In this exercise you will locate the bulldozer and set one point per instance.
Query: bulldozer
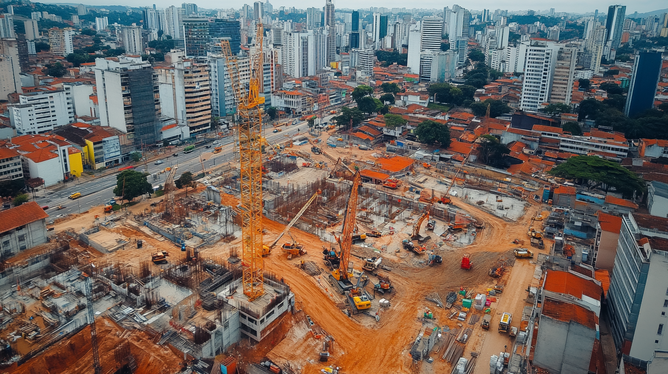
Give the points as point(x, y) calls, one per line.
point(497, 272)
point(159, 257)
point(372, 264)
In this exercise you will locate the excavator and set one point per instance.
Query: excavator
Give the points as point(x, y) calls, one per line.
point(266, 249)
point(445, 199)
point(357, 298)
point(159, 257)
point(408, 243)
point(384, 285)
point(341, 276)
point(293, 249)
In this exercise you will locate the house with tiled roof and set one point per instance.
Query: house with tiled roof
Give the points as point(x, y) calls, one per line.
point(100, 146)
point(407, 98)
point(21, 228)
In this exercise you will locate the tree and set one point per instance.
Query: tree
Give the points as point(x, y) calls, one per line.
point(492, 152)
point(495, 74)
point(55, 70)
point(388, 97)
point(42, 47)
point(476, 55)
point(392, 121)
point(496, 108)
point(593, 172)
point(389, 58)
point(589, 108)
point(664, 107)
point(135, 156)
point(431, 132)
point(20, 199)
point(185, 180)
point(131, 183)
point(361, 91)
point(347, 115)
point(89, 32)
point(445, 46)
point(478, 80)
point(573, 128)
point(368, 104)
point(585, 84)
point(558, 108)
point(611, 88)
point(390, 88)
point(272, 112)
point(311, 122)
point(11, 187)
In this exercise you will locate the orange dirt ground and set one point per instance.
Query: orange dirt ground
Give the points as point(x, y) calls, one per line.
point(361, 344)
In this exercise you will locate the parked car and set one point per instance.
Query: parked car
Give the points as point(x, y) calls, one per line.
point(159, 162)
point(176, 154)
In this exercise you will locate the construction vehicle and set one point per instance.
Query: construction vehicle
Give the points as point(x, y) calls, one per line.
point(434, 259)
point(426, 165)
point(293, 249)
point(331, 258)
point(249, 129)
point(108, 208)
point(384, 285)
point(416, 227)
point(497, 272)
point(390, 183)
point(457, 227)
point(410, 246)
point(535, 234)
point(486, 320)
point(217, 150)
point(504, 323)
point(522, 253)
point(466, 262)
point(357, 298)
point(431, 224)
point(513, 332)
point(340, 277)
point(374, 234)
point(445, 199)
point(537, 243)
point(359, 238)
point(159, 257)
point(372, 264)
point(266, 249)
point(316, 150)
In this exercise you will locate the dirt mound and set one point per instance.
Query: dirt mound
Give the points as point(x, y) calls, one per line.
point(311, 268)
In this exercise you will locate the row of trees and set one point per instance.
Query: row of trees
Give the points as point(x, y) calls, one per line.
point(131, 184)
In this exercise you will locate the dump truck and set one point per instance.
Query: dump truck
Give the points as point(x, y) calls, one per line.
point(537, 243)
point(159, 257)
point(504, 323)
point(486, 320)
point(535, 234)
point(359, 238)
point(293, 250)
point(384, 285)
point(522, 253)
point(372, 264)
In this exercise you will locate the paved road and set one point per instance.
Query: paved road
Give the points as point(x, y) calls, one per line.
point(100, 190)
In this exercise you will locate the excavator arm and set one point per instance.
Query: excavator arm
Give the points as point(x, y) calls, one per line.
point(296, 218)
point(418, 224)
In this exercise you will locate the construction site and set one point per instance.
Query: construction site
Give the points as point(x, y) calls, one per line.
point(291, 259)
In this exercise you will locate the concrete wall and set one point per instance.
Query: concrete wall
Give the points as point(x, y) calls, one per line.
point(49, 170)
point(224, 335)
point(563, 347)
point(37, 265)
point(658, 205)
point(653, 311)
point(607, 249)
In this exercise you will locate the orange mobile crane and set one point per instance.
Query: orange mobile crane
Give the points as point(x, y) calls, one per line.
point(249, 126)
point(341, 277)
point(445, 199)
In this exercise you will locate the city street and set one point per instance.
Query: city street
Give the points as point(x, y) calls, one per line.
point(100, 190)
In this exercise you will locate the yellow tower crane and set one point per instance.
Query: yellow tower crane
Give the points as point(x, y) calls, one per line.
point(249, 125)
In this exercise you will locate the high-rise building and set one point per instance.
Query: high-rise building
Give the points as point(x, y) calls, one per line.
point(185, 94)
point(431, 32)
point(364, 60)
point(414, 48)
point(564, 71)
point(222, 94)
point(189, 9)
point(227, 29)
point(485, 15)
point(615, 25)
point(151, 19)
point(458, 21)
point(553, 33)
point(101, 23)
point(7, 26)
point(268, 8)
point(82, 10)
point(258, 11)
point(313, 17)
point(354, 41)
point(132, 41)
point(664, 28)
point(330, 23)
point(24, 52)
point(173, 22)
point(32, 29)
point(594, 45)
point(40, 112)
point(10, 69)
point(129, 98)
point(379, 29)
point(60, 41)
point(196, 36)
point(539, 62)
point(645, 79)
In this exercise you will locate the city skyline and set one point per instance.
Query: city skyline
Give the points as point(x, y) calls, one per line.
point(561, 6)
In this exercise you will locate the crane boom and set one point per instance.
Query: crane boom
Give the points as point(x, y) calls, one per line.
point(296, 218)
point(249, 131)
point(456, 174)
point(418, 223)
point(346, 238)
point(91, 321)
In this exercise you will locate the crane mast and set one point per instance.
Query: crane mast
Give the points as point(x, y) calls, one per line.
point(346, 238)
point(249, 126)
point(91, 320)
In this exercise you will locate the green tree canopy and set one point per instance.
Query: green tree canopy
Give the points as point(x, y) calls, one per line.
point(185, 181)
point(42, 47)
point(369, 104)
point(492, 152)
point(390, 87)
point(347, 115)
point(388, 97)
point(55, 70)
point(496, 108)
point(272, 112)
point(388, 58)
point(135, 156)
point(555, 109)
point(595, 172)
point(311, 121)
point(573, 128)
point(611, 88)
point(476, 55)
point(361, 91)
point(432, 132)
point(585, 84)
point(20, 199)
point(392, 121)
point(89, 32)
point(135, 184)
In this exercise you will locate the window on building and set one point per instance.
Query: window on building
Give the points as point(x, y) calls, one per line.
point(22, 238)
point(665, 303)
point(660, 330)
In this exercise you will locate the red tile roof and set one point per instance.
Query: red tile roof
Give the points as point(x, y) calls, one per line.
point(41, 155)
point(603, 276)
point(620, 202)
point(544, 128)
point(363, 136)
point(609, 222)
point(395, 164)
point(568, 312)
point(571, 284)
point(7, 153)
point(20, 216)
point(565, 190)
point(460, 147)
point(370, 130)
point(374, 174)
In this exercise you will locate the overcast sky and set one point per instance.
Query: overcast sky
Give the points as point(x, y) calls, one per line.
point(575, 6)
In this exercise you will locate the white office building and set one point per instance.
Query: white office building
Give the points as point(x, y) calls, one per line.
point(132, 40)
point(10, 77)
point(32, 30)
point(40, 112)
point(540, 59)
point(101, 23)
point(7, 26)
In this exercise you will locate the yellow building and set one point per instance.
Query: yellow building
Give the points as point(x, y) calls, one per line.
point(75, 161)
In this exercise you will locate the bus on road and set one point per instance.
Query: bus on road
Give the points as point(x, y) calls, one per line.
point(189, 149)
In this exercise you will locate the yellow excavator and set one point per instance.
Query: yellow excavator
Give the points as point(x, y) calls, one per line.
point(408, 243)
point(266, 249)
